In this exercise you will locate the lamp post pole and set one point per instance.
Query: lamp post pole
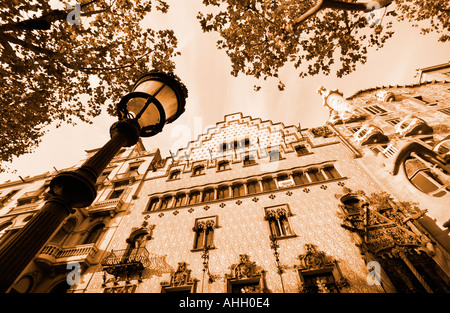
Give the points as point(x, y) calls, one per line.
point(74, 189)
point(156, 99)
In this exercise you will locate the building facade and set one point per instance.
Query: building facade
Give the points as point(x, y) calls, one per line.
point(359, 204)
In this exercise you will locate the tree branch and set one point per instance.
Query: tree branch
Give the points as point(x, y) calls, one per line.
point(45, 21)
point(29, 45)
point(339, 5)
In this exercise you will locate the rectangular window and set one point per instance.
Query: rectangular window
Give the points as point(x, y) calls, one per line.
point(314, 282)
point(25, 201)
point(420, 100)
point(117, 193)
point(223, 147)
point(103, 176)
point(249, 160)
point(274, 156)
point(134, 168)
point(301, 150)
point(8, 196)
point(375, 110)
point(393, 121)
point(354, 129)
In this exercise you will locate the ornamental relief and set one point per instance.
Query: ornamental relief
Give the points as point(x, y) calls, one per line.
point(244, 269)
point(314, 259)
point(382, 226)
point(204, 225)
point(181, 277)
point(277, 213)
point(314, 262)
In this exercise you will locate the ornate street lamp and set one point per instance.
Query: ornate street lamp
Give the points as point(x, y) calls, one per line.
point(156, 99)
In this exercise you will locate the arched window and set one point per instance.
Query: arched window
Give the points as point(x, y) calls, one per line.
point(331, 172)
point(300, 178)
point(180, 200)
point(223, 192)
point(165, 202)
point(153, 205)
point(94, 234)
point(199, 170)
point(424, 177)
point(238, 190)
point(315, 175)
point(24, 285)
point(194, 197)
point(64, 231)
point(208, 195)
point(278, 222)
point(269, 184)
point(223, 165)
point(253, 187)
point(204, 233)
point(175, 175)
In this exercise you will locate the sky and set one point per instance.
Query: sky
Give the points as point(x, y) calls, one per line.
point(213, 92)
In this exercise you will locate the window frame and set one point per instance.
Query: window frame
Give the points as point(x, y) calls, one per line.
point(121, 190)
point(199, 170)
point(175, 175)
point(221, 168)
point(204, 236)
point(249, 160)
point(376, 109)
point(277, 218)
point(304, 150)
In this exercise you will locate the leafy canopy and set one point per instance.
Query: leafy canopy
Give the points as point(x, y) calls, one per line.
point(261, 36)
point(54, 71)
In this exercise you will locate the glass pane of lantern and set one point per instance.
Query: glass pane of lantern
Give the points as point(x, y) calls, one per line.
point(163, 93)
point(149, 86)
point(151, 115)
point(168, 99)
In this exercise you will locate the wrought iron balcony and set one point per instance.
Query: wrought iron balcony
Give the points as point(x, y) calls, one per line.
point(125, 263)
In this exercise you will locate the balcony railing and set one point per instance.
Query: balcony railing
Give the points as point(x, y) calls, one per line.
point(105, 207)
point(53, 254)
point(130, 175)
point(126, 262)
